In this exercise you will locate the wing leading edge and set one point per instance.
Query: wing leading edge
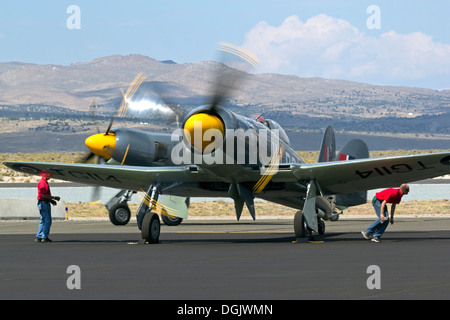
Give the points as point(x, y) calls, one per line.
point(127, 177)
point(121, 177)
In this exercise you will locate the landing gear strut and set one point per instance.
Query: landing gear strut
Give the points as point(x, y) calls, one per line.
point(148, 221)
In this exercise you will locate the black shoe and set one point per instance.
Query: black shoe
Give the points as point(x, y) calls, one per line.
point(37, 240)
point(46, 240)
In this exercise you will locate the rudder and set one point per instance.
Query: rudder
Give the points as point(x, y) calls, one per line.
point(327, 150)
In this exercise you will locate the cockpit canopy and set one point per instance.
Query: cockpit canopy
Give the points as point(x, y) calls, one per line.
point(271, 124)
point(282, 134)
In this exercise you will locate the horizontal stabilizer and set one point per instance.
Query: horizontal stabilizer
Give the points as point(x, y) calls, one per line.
point(354, 149)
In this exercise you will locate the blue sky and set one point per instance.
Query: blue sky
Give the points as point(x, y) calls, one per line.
point(328, 39)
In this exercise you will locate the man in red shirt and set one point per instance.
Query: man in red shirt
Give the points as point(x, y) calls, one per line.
point(45, 198)
point(391, 195)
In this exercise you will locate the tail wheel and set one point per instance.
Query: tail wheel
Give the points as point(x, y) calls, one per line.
point(151, 227)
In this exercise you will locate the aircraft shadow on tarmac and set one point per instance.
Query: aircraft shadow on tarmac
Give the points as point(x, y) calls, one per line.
point(241, 223)
point(251, 238)
point(179, 238)
point(94, 241)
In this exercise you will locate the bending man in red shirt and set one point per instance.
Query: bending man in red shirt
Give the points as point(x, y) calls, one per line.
point(391, 195)
point(45, 198)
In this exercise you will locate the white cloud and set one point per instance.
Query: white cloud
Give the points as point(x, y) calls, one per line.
point(324, 46)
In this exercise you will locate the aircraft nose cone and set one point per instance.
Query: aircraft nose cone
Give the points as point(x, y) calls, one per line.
point(102, 144)
point(197, 125)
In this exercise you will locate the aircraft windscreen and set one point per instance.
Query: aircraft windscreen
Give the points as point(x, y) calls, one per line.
point(282, 134)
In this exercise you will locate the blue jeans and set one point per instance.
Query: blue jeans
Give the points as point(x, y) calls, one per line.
point(46, 219)
point(377, 228)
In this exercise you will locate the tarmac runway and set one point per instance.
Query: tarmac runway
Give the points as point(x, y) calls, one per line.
point(225, 259)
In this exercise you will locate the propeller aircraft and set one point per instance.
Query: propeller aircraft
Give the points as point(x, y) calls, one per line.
point(216, 152)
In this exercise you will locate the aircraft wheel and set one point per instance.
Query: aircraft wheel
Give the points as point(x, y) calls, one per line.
point(171, 221)
point(321, 226)
point(119, 214)
point(151, 227)
point(301, 227)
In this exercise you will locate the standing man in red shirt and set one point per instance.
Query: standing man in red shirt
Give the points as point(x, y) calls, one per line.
point(45, 198)
point(391, 195)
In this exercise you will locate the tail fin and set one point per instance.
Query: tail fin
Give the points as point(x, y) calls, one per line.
point(354, 149)
point(327, 151)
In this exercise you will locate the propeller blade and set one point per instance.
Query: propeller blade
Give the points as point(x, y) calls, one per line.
point(126, 98)
point(96, 193)
point(95, 196)
point(110, 125)
point(86, 158)
point(227, 78)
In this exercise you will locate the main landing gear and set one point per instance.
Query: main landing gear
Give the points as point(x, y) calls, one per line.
point(151, 228)
point(301, 229)
point(148, 220)
point(120, 213)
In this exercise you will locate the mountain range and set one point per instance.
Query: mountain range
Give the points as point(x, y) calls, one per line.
point(74, 86)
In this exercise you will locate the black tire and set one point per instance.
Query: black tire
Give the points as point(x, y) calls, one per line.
point(300, 227)
point(170, 220)
point(119, 214)
point(151, 228)
point(321, 226)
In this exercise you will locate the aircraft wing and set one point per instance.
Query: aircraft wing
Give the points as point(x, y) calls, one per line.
point(334, 177)
point(112, 176)
point(339, 177)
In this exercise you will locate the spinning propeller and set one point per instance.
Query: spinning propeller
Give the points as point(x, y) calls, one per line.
point(103, 144)
point(141, 101)
point(227, 79)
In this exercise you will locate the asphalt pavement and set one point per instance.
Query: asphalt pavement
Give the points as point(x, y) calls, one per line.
point(225, 259)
